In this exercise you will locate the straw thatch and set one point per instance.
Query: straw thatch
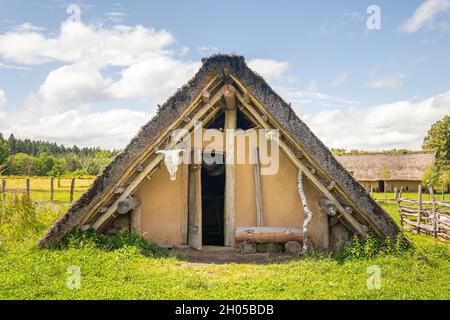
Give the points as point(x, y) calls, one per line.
point(168, 112)
point(401, 167)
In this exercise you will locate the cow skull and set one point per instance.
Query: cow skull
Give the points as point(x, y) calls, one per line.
point(172, 160)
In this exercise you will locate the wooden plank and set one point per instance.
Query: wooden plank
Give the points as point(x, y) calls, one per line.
point(352, 221)
point(155, 161)
point(230, 176)
point(258, 196)
point(195, 207)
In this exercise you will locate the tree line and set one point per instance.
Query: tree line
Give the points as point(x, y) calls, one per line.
point(27, 157)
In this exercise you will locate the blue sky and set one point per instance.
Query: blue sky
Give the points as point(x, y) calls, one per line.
point(89, 83)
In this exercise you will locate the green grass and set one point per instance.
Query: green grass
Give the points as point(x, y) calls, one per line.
point(128, 268)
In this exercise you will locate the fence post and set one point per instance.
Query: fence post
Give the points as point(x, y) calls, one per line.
point(433, 209)
point(398, 199)
point(371, 191)
point(52, 188)
point(72, 187)
point(4, 189)
point(419, 207)
point(28, 189)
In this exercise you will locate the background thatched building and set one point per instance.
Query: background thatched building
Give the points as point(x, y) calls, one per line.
point(397, 170)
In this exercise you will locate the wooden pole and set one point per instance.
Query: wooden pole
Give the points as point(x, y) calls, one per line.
point(230, 177)
point(4, 189)
point(433, 208)
point(419, 207)
point(28, 189)
point(52, 188)
point(398, 198)
point(371, 191)
point(230, 174)
point(72, 188)
point(257, 178)
point(307, 211)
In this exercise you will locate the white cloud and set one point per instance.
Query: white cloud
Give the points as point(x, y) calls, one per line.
point(109, 129)
point(207, 50)
point(73, 84)
point(150, 69)
point(156, 77)
point(268, 68)
point(2, 98)
point(424, 15)
point(401, 124)
point(99, 64)
point(339, 80)
point(311, 95)
point(394, 81)
point(116, 46)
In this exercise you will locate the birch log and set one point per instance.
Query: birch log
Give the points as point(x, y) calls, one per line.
point(308, 213)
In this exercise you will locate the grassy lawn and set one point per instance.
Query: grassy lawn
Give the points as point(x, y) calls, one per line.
point(129, 269)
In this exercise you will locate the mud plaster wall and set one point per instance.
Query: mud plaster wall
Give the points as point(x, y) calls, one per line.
point(164, 207)
point(164, 203)
point(280, 199)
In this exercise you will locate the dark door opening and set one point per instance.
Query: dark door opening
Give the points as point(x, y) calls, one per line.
point(380, 186)
point(213, 189)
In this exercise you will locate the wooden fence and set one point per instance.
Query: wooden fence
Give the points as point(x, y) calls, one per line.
point(27, 191)
point(425, 217)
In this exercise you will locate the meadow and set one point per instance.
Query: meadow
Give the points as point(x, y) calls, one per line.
point(126, 267)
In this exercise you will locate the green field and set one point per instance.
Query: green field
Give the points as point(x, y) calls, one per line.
point(127, 268)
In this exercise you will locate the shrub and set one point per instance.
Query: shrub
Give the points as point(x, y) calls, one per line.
point(372, 247)
point(91, 239)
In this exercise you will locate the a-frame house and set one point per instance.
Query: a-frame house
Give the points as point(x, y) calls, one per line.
point(310, 199)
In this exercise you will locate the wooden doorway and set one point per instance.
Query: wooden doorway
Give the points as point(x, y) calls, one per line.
point(213, 195)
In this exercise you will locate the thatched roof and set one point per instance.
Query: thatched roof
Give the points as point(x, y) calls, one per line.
point(370, 167)
point(169, 111)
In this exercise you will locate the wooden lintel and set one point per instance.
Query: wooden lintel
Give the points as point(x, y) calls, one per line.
point(352, 221)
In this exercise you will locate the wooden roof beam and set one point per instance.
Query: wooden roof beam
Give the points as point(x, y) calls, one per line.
point(150, 166)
